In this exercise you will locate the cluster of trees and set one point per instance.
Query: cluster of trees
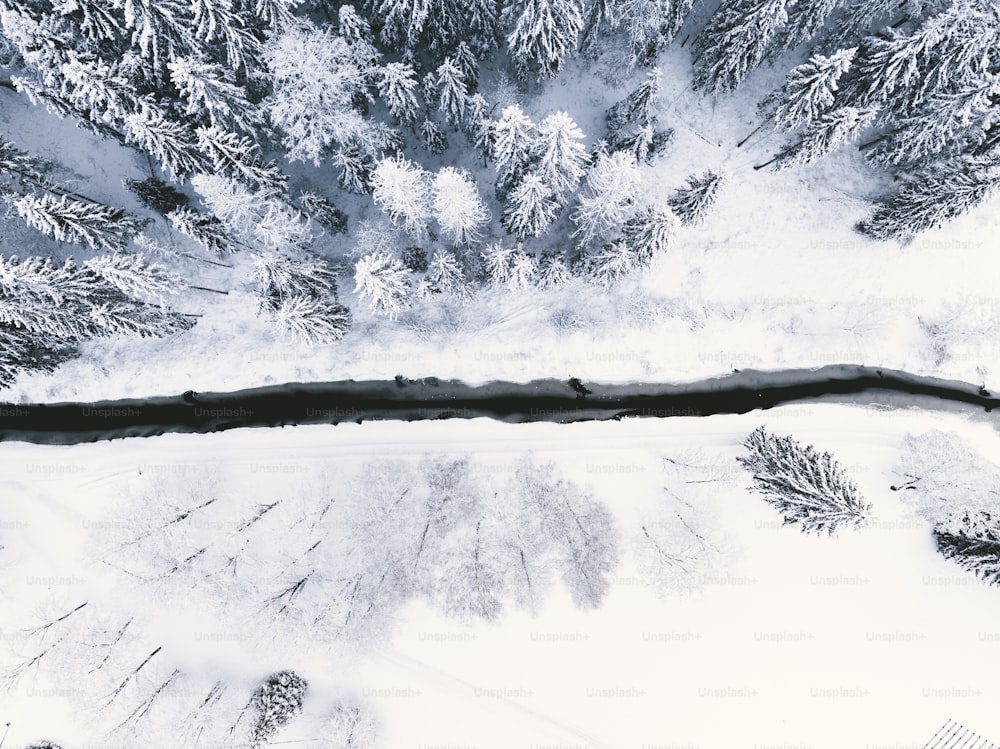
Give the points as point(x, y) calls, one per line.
point(952, 486)
point(351, 556)
point(142, 694)
point(919, 80)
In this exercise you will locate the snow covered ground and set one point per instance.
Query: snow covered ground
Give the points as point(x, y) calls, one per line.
point(869, 639)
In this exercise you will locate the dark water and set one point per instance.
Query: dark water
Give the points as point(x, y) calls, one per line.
point(561, 401)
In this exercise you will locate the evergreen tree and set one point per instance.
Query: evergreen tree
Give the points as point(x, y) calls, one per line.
point(280, 278)
point(735, 41)
point(208, 231)
point(205, 88)
point(467, 62)
point(157, 194)
point(805, 19)
point(972, 540)
point(830, 131)
point(511, 267)
point(355, 169)
point(398, 89)
point(612, 189)
point(239, 157)
point(433, 138)
point(483, 25)
point(809, 90)
point(274, 704)
point(531, 207)
point(458, 207)
point(649, 233)
point(544, 34)
point(615, 261)
point(937, 193)
point(603, 17)
point(453, 94)
point(135, 277)
point(324, 211)
point(651, 25)
point(161, 29)
point(560, 154)
point(66, 220)
point(809, 488)
point(171, 143)
point(403, 22)
point(691, 203)
point(514, 138)
point(383, 281)
point(218, 25)
point(445, 276)
point(353, 27)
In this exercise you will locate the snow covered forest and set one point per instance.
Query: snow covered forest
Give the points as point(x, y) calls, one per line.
point(343, 171)
point(211, 195)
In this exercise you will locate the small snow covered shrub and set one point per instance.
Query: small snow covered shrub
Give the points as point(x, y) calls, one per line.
point(691, 203)
point(808, 488)
point(275, 703)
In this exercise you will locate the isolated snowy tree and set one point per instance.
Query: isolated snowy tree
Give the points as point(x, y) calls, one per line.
point(383, 281)
point(635, 110)
point(458, 207)
point(936, 194)
point(691, 203)
point(169, 142)
point(649, 233)
point(613, 185)
point(809, 90)
point(513, 147)
point(65, 219)
point(315, 85)
point(544, 34)
point(808, 488)
point(531, 207)
point(650, 25)
point(735, 41)
point(274, 704)
point(972, 540)
point(398, 88)
point(403, 190)
point(561, 156)
point(453, 93)
point(324, 211)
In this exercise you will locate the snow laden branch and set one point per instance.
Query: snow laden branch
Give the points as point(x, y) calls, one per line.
point(807, 487)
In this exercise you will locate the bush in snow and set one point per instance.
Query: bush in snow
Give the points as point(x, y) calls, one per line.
point(415, 259)
point(348, 725)
point(809, 488)
point(274, 704)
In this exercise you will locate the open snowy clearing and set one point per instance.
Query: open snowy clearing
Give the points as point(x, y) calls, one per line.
point(870, 635)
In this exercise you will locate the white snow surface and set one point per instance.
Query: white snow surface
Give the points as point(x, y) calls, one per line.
point(869, 639)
